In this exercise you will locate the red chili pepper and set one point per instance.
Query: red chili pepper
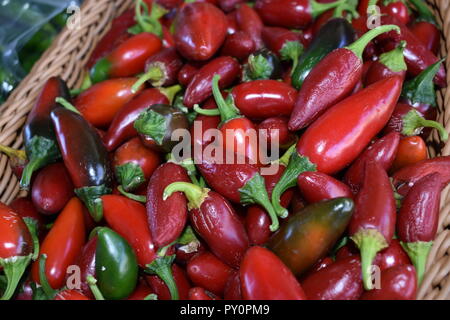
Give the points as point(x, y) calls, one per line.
point(297, 14)
point(321, 264)
point(200, 29)
point(100, 103)
point(276, 129)
point(389, 64)
point(202, 124)
point(161, 290)
point(264, 277)
point(62, 245)
point(233, 287)
point(392, 256)
point(417, 56)
point(397, 283)
point(128, 59)
point(215, 220)
point(116, 35)
point(86, 263)
point(408, 176)
point(232, 23)
point(141, 292)
point(411, 150)
point(249, 21)
point(238, 45)
point(198, 293)
point(373, 223)
point(134, 164)
point(70, 295)
point(428, 34)
point(200, 87)
point(331, 80)
point(276, 38)
point(24, 208)
point(208, 272)
point(418, 220)
point(382, 151)
point(229, 5)
point(187, 73)
point(339, 281)
point(316, 186)
point(397, 9)
point(52, 189)
point(166, 219)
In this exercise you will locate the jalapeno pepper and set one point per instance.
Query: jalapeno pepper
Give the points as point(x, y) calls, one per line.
point(39, 136)
point(85, 158)
point(311, 233)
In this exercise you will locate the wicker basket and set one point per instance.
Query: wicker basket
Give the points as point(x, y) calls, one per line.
point(70, 52)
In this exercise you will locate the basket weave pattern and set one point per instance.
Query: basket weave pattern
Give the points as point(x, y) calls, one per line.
point(70, 52)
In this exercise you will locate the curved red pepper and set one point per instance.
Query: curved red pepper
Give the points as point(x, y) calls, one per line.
point(276, 38)
point(187, 73)
point(200, 29)
point(249, 21)
point(215, 220)
point(198, 293)
point(100, 103)
point(70, 295)
point(397, 283)
point(200, 87)
point(339, 281)
point(382, 151)
point(373, 223)
point(411, 150)
point(62, 245)
point(166, 219)
point(128, 59)
point(52, 189)
point(316, 186)
point(418, 220)
point(208, 272)
point(161, 290)
point(264, 277)
point(238, 45)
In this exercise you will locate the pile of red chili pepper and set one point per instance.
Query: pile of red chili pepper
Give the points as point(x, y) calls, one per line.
point(350, 212)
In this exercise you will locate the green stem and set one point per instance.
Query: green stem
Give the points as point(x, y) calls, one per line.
point(32, 225)
point(227, 109)
point(155, 74)
point(206, 112)
point(418, 253)
point(66, 104)
point(413, 121)
point(33, 165)
point(13, 153)
point(92, 282)
point(359, 45)
point(149, 22)
point(394, 60)
point(195, 194)
point(369, 242)
point(171, 92)
point(151, 296)
point(48, 290)
point(162, 267)
point(14, 268)
point(318, 8)
point(142, 199)
point(284, 160)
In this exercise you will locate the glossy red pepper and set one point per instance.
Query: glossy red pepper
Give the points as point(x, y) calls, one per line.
point(232, 23)
point(70, 295)
point(141, 292)
point(134, 164)
point(410, 151)
point(339, 281)
point(331, 80)
point(316, 186)
point(392, 256)
point(100, 103)
point(276, 129)
point(290, 14)
point(166, 219)
point(276, 38)
point(198, 293)
point(85, 158)
point(187, 73)
point(249, 21)
point(418, 220)
point(238, 45)
point(52, 189)
point(397, 283)
point(397, 9)
point(16, 250)
point(233, 287)
point(160, 288)
point(24, 207)
point(372, 226)
point(382, 151)
point(62, 245)
point(208, 272)
point(425, 26)
point(202, 124)
point(128, 59)
point(215, 220)
point(321, 264)
point(200, 87)
point(200, 29)
point(86, 263)
point(417, 56)
point(264, 277)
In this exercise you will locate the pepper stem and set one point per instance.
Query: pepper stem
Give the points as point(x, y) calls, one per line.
point(318, 8)
point(32, 225)
point(92, 283)
point(13, 153)
point(149, 22)
point(414, 122)
point(66, 104)
point(369, 242)
point(418, 253)
point(171, 92)
point(155, 75)
point(34, 164)
point(195, 194)
point(13, 267)
point(46, 287)
point(162, 267)
point(394, 60)
point(142, 199)
point(206, 112)
point(359, 45)
point(227, 109)
point(91, 198)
